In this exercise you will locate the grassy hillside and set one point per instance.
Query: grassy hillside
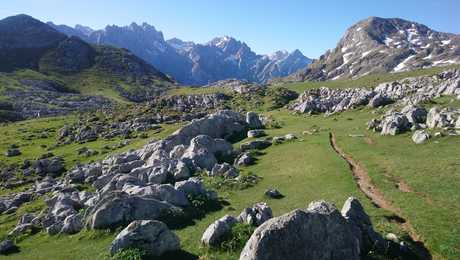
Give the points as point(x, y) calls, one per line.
point(318, 173)
point(303, 170)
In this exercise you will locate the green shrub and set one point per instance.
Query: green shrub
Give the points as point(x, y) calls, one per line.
point(129, 254)
point(236, 240)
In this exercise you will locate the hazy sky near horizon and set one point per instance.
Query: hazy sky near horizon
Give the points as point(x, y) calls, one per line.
point(265, 25)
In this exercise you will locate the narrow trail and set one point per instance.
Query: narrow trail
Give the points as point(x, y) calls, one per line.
point(377, 198)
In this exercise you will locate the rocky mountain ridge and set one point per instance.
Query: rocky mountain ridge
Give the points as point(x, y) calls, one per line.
point(44, 72)
point(379, 45)
point(192, 63)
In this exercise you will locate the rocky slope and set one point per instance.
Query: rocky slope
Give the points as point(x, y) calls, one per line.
point(191, 63)
point(408, 91)
point(377, 45)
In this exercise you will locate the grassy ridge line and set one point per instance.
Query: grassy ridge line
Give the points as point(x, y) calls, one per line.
point(367, 81)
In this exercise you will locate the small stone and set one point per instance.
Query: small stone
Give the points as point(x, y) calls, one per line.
point(7, 247)
point(256, 133)
point(420, 136)
point(273, 193)
point(12, 152)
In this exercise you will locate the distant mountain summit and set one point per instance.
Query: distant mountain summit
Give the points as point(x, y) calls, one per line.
point(27, 43)
point(24, 40)
point(377, 45)
point(191, 63)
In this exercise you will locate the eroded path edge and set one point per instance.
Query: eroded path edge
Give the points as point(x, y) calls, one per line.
point(364, 183)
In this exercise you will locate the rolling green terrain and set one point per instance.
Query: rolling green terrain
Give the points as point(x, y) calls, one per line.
point(303, 170)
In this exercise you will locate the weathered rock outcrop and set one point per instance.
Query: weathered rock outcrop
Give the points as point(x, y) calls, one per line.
point(152, 237)
point(406, 91)
point(318, 232)
point(118, 209)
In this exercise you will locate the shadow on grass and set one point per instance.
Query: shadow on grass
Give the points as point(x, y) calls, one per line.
point(197, 210)
point(176, 255)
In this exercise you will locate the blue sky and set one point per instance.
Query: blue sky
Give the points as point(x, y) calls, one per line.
point(265, 25)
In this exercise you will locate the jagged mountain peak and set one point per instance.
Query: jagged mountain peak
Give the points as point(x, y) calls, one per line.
point(198, 64)
point(278, 55)
point(222, 41)
point(86, 30)
point(378, 45)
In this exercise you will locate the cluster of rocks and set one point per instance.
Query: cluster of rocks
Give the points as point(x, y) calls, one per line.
point(11, 203)
point(320, 232)
point(190, 103)
point(415, 118)
point(155, 182)
point(19, 174)
point(94, 128)
point(221, 229)
point(407, 91)
point(38, 98)
point(237, 86)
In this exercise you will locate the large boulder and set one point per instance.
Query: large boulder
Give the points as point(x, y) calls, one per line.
point(72, 224)
point(436, 118)
point(118, 209)
point(203, 150)
point(163, 192)
point(217, 231)
point(379, 100)
point(394, 124)
point(152, 237)
point(193, 186)
point(354, 213)
point(320, 232)
point(415, 114)
point(223, 124)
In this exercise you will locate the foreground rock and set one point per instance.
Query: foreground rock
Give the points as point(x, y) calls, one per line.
point(319, 232)
point(152, 237)
point(217, 231)
point(221, 229)
point(118, 209)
